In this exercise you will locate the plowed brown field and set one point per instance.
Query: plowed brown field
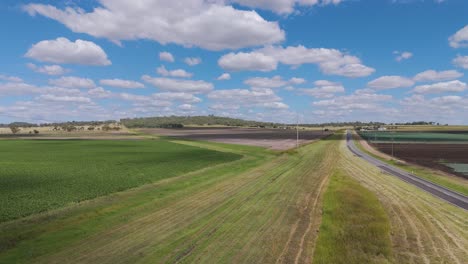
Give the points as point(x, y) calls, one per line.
point(270, 138)
point(428, 155)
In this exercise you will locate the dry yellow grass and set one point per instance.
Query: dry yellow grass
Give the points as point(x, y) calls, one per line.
point(424, 229)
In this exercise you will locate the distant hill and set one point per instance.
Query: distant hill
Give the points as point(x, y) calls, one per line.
point(211, 120)
point(181, 121)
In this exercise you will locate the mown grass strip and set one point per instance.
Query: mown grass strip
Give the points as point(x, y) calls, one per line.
point(355, 227)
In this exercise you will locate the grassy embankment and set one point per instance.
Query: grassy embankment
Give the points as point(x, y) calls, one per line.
point(451, 182)
point(424, 229)
point(261, 208)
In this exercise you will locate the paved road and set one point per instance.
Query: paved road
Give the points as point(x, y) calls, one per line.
point(434, 189)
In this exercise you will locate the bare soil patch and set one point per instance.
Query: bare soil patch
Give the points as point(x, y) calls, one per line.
point(279, 139)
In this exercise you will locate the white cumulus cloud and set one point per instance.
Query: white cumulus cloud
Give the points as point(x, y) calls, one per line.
point(330, 61)
point(174, 73)
point(283, 6)
point(64, 51)
point(441, 87)
point(73, 82)
point(166, 56)
point(17, 88)
point(192, 61)
point(390, 82)
point(48, 69)
point(461, 61)
point(273, 82)
point(323, 89)
point(66, 99)
point(244, 96)
point(10, 78)
point(274, 105)
point(400, 56)
point(359, 100)
point(119, 83)
point(186, 107)
point(211, 25)
point(253, 61)
point(460, 38)
point(435, 76)
point(224, 77)
point(177, 85)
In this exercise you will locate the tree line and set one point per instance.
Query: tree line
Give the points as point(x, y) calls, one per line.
point(209, 120)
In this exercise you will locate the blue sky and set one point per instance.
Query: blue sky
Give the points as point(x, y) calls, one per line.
point(324, 60)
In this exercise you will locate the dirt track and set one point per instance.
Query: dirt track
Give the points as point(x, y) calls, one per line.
point(279, 139)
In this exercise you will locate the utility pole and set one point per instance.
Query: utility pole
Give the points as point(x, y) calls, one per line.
point(297, 132)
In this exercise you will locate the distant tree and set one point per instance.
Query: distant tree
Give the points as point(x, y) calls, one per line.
point(69, 128)
point(36, 131)
point(91, 128)
point(15, 129)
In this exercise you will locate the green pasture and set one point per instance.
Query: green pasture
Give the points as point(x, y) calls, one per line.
point(39, 175)
point(459, 167)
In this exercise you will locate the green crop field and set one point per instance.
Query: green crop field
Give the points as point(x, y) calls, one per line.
point(459, 167)
point(387, 136)
point(38, 175)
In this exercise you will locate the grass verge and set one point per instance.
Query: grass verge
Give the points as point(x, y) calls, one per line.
point(355, 227)
point(424, 229)
point(450, 182)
